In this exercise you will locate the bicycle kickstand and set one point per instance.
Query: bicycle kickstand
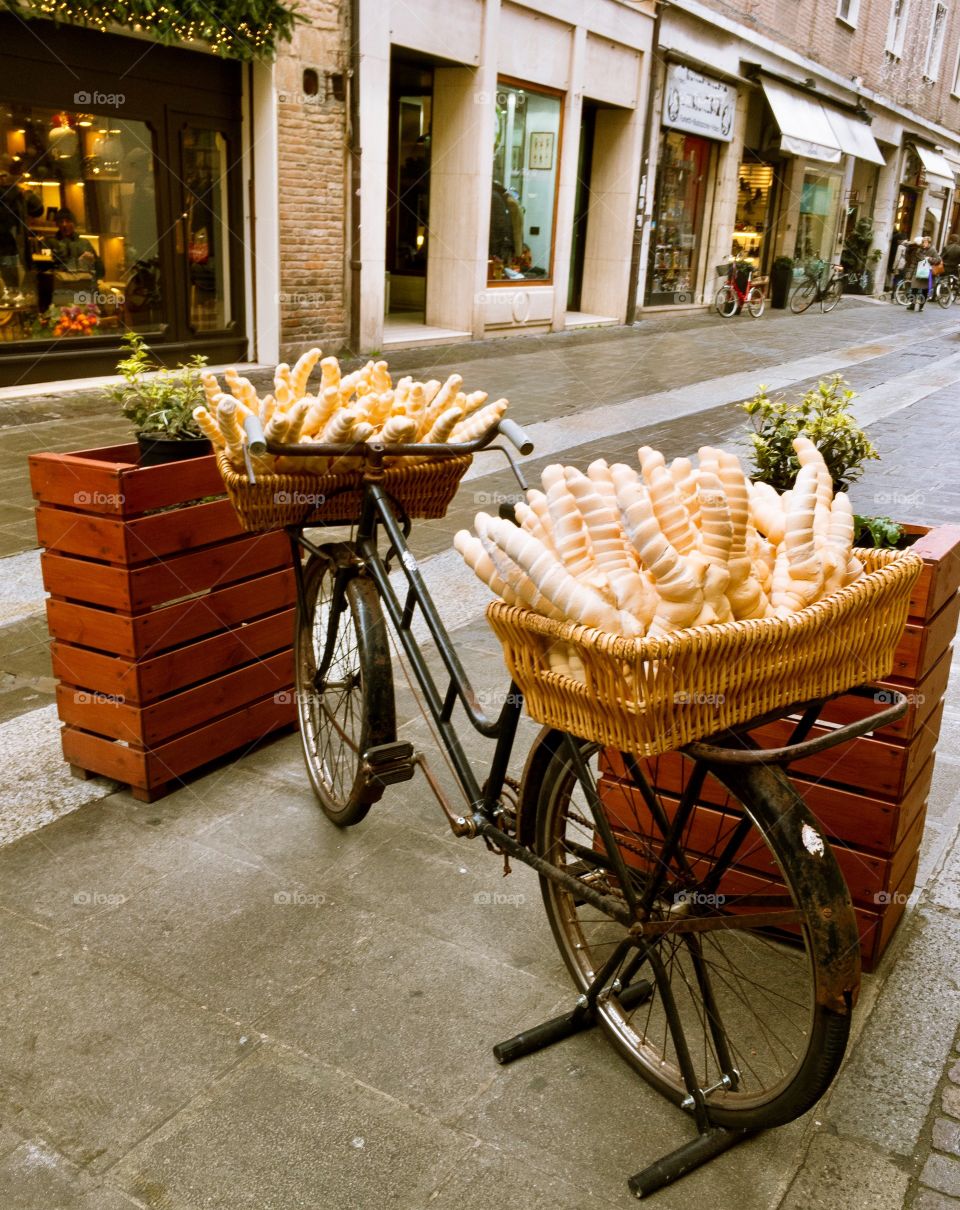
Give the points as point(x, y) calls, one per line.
point(582, 1016)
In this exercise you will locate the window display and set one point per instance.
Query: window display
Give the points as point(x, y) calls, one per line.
point(675, 235)
point(78, 224)
point(753, 212)
point(819, 212)
point(526, 156)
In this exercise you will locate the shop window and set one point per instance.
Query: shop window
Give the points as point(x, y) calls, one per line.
point(819, 209)
point(78, 225)
point(848, 11)
point(526, 160)
point(681, 189)
point(938, 27)
point(897, 27)
point(753, 212)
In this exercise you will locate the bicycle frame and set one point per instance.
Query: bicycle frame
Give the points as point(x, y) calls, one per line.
point(727, 757)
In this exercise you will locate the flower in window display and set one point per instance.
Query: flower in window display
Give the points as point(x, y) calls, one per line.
point(76, 321)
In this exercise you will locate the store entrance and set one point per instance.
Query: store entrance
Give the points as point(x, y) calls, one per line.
point(581, 206)
point(408, 188)
point(754, 210)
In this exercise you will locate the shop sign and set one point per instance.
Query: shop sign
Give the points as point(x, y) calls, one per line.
point(698, 104)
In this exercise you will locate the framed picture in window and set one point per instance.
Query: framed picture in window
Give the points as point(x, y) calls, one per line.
point(541, 149)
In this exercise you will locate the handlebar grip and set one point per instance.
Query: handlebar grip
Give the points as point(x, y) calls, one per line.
point(255, 437)
point(516, 435)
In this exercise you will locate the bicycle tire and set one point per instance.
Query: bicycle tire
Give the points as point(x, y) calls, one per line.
point(744, 972)
point(354, 709)
point(802, 297)
point(831, 295)
point(756, 302)
point(943, 293)
point(902, 293)
point(725, 302)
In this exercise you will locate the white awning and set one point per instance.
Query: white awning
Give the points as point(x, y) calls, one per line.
point(804, 128)
point(854, 136)
point(936, 166)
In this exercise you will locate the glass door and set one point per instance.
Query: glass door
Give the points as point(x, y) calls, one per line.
point(208, 265)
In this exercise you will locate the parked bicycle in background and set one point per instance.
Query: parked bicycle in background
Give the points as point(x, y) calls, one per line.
point(813, 287)
point(740, 289)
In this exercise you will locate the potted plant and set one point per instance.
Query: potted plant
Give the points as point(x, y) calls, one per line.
point(872, 802)
point(823, 415)
point(160, 402)
point(858, 258)
point(781, 278)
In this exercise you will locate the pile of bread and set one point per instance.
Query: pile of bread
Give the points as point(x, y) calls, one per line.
point(364, 405)
point(651, 552)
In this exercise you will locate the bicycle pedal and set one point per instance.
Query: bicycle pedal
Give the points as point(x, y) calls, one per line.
point(387, 764)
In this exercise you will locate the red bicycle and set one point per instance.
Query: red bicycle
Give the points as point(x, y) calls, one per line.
point(740, 290)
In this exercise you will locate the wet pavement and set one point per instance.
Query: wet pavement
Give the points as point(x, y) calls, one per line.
point(219, 1000)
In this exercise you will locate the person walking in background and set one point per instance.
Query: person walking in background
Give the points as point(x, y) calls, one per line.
point(918, 263)
point(951, 255)
point(898, 248)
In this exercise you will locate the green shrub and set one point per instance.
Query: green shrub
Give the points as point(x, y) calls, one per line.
point(155, 399)
point(822, 415)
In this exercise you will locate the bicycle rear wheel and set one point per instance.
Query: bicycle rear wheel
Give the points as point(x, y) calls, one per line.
point(755, 302)
point(726, 302)
point(802, 297)
point(943, 293)
point(902, 293)
point(345, 700)
point(734, 933)
point(832, 294)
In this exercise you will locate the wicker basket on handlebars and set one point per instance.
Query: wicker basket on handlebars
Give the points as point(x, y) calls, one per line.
point(422, 489)
point(650, 695)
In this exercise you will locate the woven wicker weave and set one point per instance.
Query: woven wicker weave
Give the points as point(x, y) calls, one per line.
point(424, 489)
point(649, 695)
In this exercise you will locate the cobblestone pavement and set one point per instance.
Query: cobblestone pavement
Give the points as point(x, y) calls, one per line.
point(220, 1001)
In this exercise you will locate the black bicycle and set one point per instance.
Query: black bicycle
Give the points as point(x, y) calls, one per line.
point(707, 937)
point(817, 287)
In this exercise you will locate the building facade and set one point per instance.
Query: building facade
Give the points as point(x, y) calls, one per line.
point(778, 126)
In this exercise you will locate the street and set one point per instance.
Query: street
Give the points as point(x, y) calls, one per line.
point(218, 1000)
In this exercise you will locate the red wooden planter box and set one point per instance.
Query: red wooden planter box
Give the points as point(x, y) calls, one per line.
point(172, 628)
point(869, 795)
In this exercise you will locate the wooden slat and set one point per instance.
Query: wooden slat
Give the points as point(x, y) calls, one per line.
point(131, 542)
point(922, 645)
point(142, 681)
point(154, 771)
point(146, 634)
point(152, 725)
point(114, 485)
point(165, 581)
point(940, 578)
point(923, 697)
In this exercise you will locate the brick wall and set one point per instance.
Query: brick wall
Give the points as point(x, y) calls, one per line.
point(811, 28)
point(311, 174)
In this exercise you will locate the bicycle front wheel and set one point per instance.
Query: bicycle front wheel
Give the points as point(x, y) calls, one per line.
point(902, 293)
point(802, 297)
point(345, 701)
point(726, 302)
point(755, 302)
point(943, 293)
point(733, 950)
point(832, 294)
